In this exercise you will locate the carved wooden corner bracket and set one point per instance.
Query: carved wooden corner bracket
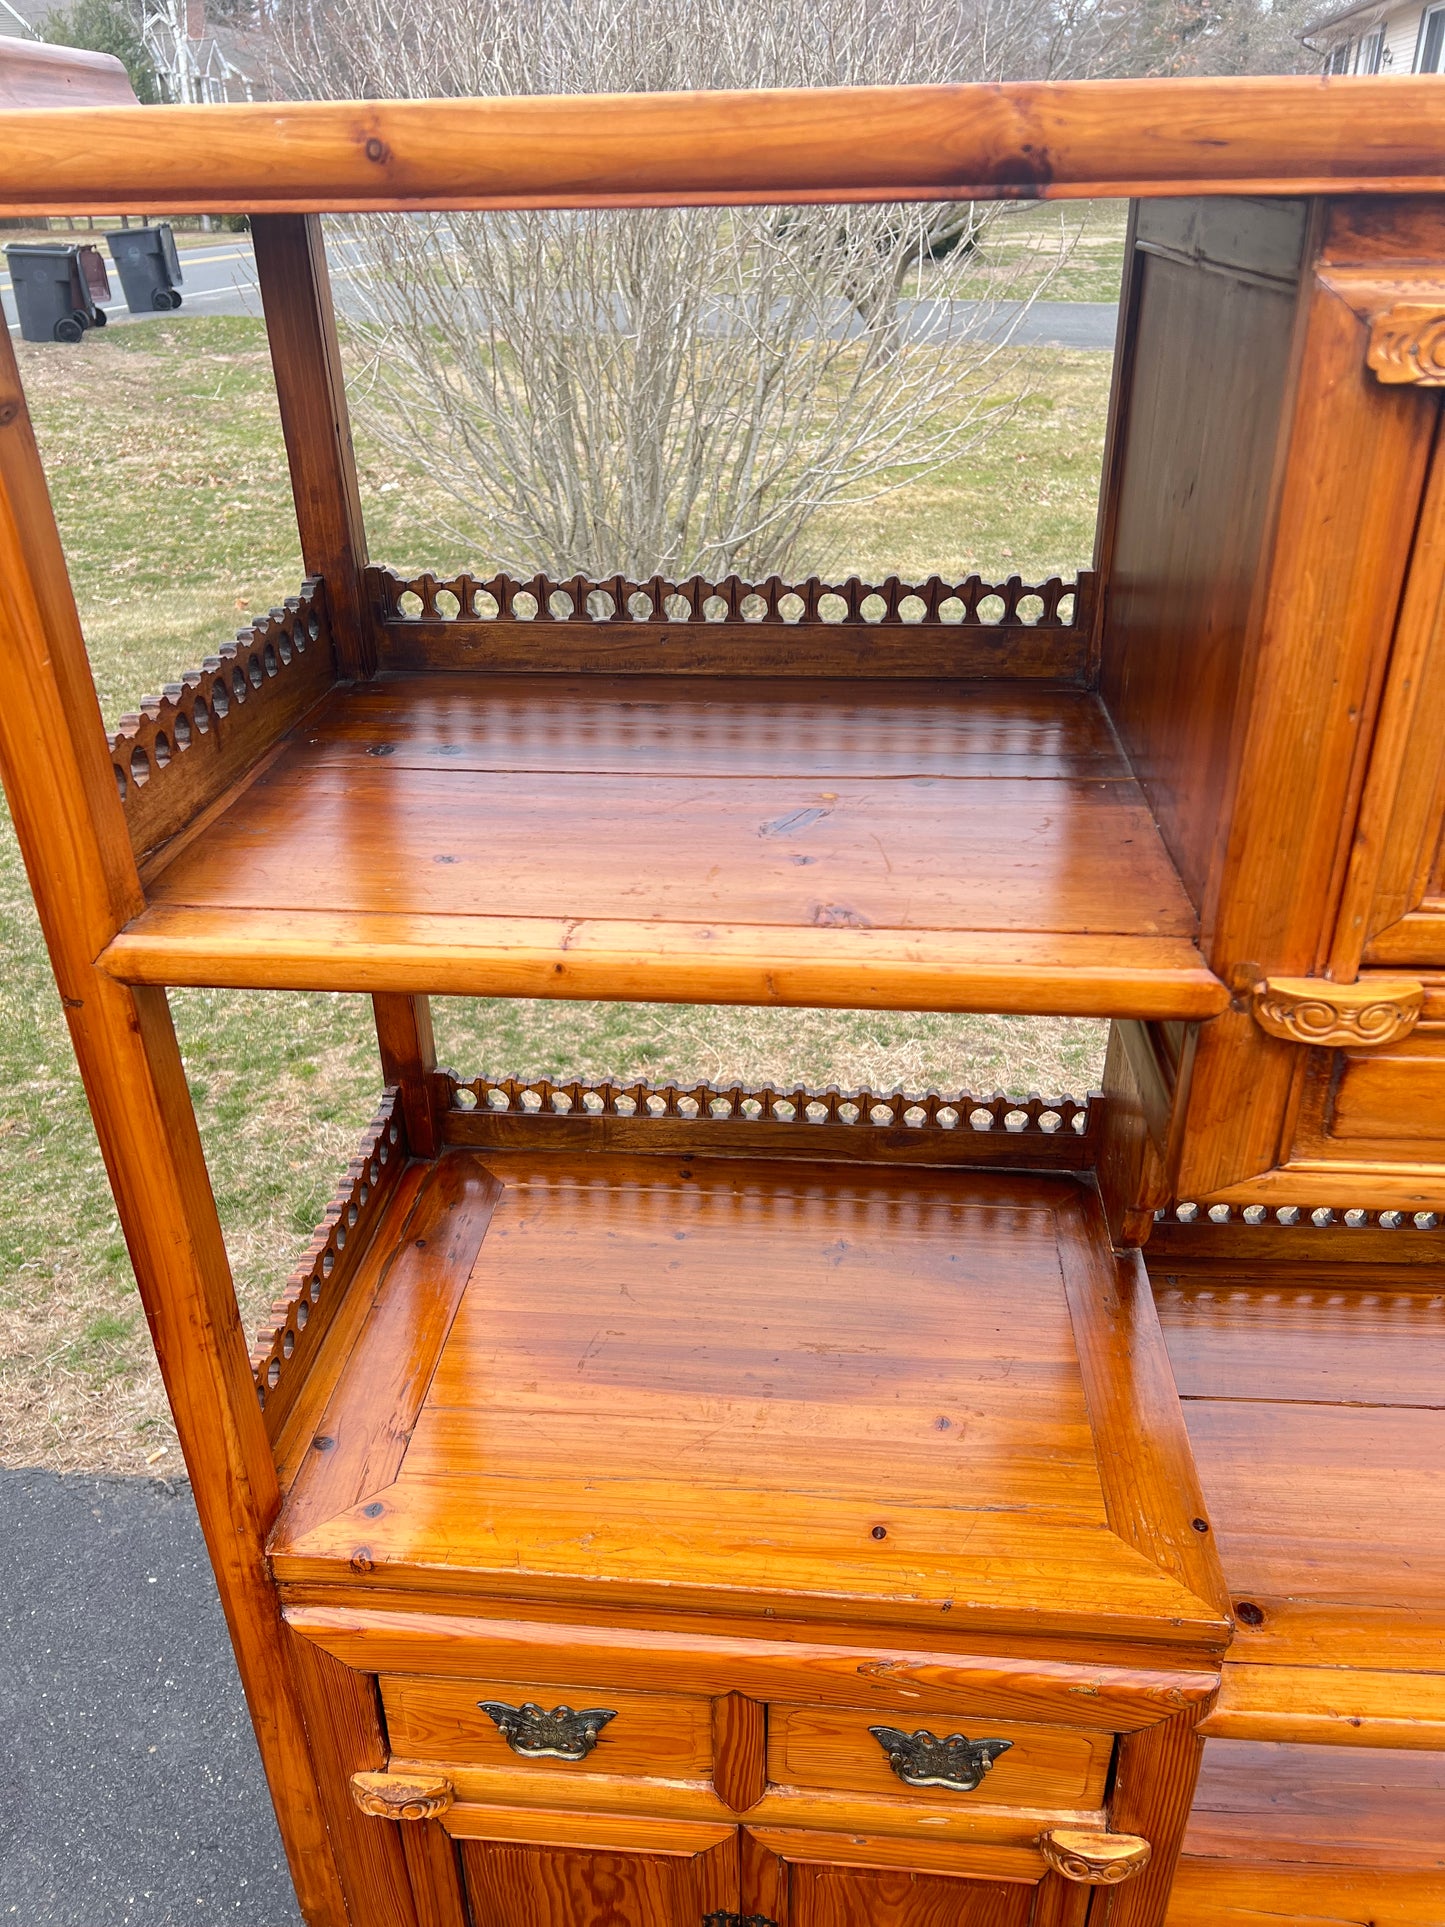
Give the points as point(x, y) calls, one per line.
point(398, 1796)
point(1358, 1016)
point(1407, 343)
point(1093, 1858)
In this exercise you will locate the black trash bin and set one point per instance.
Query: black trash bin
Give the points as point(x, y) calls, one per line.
point(150, 268)
point(57, 286)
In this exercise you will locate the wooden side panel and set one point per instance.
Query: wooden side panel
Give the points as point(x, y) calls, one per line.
point(1191, 471)
point(365, 1436)
point(522, 1886)
point(1353, 466)
point(1393, 911)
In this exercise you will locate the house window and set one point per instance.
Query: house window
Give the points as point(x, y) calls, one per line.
point(1339, 60)
point(1430, 54)
point(1372, 51)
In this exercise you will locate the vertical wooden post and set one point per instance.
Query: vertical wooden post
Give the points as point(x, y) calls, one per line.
point(72, 834)
point(311, 391)
point(409, 1060)
point(1153, 1787)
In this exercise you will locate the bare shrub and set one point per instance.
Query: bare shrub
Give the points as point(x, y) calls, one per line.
point(671, 390)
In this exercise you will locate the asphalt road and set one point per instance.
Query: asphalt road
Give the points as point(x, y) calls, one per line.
point(130, 1785)
point(221, 280)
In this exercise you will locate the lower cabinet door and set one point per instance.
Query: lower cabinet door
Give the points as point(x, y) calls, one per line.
point(864, 1897)
point(523, 1886)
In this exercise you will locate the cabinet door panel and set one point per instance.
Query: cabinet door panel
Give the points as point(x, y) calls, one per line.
point(859, 1897)
point(521, 1886)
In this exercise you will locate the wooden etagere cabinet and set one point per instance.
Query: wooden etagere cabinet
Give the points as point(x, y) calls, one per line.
point(721, 1507)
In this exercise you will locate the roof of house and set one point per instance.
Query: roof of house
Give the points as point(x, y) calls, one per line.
point(1364, 10)
point(16, 15)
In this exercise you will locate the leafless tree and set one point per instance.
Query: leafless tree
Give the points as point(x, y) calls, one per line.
point(674, 390)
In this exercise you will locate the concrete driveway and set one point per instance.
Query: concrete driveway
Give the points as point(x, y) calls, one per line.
point(130, 1786)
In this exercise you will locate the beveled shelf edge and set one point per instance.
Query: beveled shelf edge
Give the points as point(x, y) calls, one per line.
point(1330, 1706)
point(832, 1666)
point(1023, 973)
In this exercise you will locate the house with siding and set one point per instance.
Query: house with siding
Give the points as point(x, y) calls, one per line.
point(1380, 38)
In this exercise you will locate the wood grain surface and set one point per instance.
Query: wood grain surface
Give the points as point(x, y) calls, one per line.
point(33, 75)
point(531, 1799)
point(467, 954)
point(1317, 1418)
point(1030, 139)
point(669, 1653)
point(1330, 1805)
point(740, 1749)
point(1205, 343)
point(519, 1886)
point(695, 838)
point(1333, 568)
point(1330, 1706)
point(993, 845)
point(835, 1897)
point(295, 286)
point(646, 1329)
point(665, 1735)
point(811, 1746)
point(418, 1283)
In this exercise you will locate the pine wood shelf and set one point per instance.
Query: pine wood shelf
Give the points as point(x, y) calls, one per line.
point(1309, 1410)
point(925, 845)
point(590, 1376)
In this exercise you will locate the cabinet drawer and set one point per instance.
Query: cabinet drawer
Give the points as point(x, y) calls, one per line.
point(1392, 1094)
point(820, 1747)
point(654, 1735)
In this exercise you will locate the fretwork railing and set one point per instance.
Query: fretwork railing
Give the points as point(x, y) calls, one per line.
point(972, 627)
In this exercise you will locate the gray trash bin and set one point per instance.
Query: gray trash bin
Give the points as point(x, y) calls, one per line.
point(150, 268)
point(57, 286)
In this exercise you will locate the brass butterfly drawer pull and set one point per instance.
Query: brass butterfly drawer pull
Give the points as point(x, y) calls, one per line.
point(920, 1759)
point(539, 1735)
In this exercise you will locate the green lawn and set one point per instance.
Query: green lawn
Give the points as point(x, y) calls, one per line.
point(165, 456)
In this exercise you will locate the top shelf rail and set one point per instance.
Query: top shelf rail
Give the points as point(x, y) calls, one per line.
point(1025, 140)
